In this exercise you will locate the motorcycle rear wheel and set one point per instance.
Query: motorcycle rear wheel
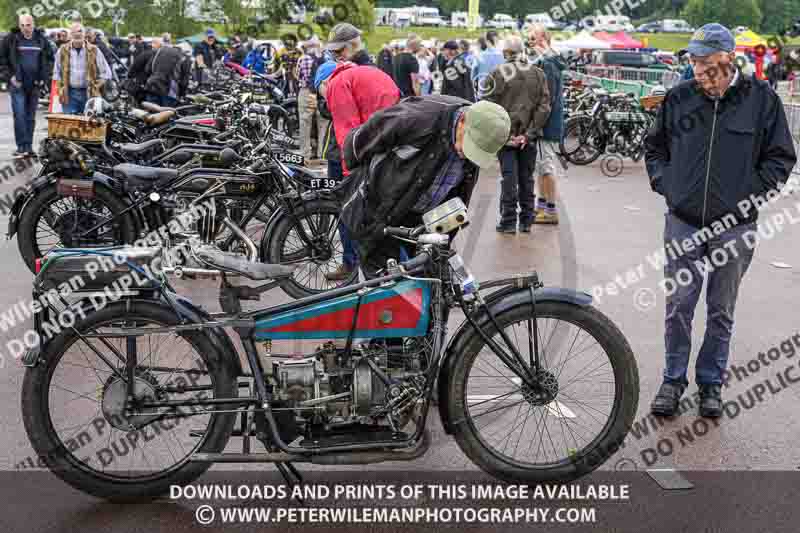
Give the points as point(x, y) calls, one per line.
point(74, 429)
point(48, 208)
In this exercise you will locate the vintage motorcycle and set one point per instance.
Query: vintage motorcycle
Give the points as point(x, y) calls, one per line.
point(265, 208)
point(617, 123)
point(536, 385)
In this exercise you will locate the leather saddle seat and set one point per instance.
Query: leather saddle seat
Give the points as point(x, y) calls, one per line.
point(138, 177)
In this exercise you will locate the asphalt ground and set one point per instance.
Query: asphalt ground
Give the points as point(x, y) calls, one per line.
point(610, 223)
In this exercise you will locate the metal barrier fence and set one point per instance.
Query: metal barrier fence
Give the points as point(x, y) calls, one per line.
point(612, 85)
point(647, 76)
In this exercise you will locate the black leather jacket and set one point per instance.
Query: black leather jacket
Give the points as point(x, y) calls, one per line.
point(394, 158)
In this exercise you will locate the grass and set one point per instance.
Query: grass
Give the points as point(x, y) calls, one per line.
point(384, 34)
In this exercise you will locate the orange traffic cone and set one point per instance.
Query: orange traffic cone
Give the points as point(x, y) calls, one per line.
point(55, 102)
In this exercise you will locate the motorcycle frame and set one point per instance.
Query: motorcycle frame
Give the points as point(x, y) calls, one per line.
point(243, 324)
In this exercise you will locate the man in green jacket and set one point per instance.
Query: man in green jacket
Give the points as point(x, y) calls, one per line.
point(521, 89)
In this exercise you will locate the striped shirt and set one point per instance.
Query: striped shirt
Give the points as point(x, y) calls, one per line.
point(78, 70)
point(304, 67)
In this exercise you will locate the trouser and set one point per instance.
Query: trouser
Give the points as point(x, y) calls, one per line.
point(23, 104)
point(349, 254)
point(163, 101)
point(76, 103)
point(322, 128)
point(516, 190)
point(724, 260)
point(306, 115)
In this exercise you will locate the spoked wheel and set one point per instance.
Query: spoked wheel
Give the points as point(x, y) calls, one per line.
point(79, 422)
point(582, 143)
point(51, 221)
point(572, 417)
point(312, 242)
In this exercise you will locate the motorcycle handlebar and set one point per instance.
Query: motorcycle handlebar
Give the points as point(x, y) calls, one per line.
point(405, 233)
point(416, 262)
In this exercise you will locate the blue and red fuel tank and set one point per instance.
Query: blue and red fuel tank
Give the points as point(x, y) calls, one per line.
point(401, 309)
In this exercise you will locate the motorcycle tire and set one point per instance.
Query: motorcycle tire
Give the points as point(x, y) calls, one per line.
point(577, 462)
point(124, 226)
point(284, 231)
point(67, 464)
point(574, 126)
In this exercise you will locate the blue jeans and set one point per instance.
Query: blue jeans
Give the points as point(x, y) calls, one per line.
point(23, 105)
point(427, 88)
point(163, 101)
point(76, 103)
point(349, 254)
point(724, 260)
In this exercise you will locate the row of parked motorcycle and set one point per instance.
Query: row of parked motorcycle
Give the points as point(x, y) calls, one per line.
point(231, 148)
point(600, 122)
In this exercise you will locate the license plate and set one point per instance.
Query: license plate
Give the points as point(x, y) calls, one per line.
point(322, 183)
point(289, 158)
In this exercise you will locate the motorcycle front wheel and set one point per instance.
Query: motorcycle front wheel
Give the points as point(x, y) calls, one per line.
point(311, 241)
point(582, 143)
point(572, 422)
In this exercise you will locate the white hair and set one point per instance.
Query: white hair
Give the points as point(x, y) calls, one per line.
point(539, 28)
point(513, 44)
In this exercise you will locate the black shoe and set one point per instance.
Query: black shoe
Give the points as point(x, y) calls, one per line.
point(525, 228)
point(710, 401)
point(511, 230)
point(666, 401)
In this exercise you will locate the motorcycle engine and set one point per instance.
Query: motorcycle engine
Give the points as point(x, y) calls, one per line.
point(333, 388)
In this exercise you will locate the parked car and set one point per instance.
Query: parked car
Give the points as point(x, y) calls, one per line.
point(650, 27)
point(676, 26)
point(624, 58)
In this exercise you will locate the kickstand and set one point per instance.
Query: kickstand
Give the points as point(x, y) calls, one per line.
point(292, 477)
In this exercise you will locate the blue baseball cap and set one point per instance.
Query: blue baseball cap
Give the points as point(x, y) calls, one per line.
point(211, 33)
point(324, 72)
point(710, 39)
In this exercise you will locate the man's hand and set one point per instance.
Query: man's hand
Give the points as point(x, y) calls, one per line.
point(311, 101)
point(520, 140)
point(15, 83)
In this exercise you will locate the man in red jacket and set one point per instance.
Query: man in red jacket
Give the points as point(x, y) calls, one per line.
point(354, 92)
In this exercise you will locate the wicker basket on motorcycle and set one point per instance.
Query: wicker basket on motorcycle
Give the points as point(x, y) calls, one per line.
point(76, 128)
point(651, 102)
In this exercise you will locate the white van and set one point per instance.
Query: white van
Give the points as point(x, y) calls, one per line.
point(609, 23)
point(501, 21)
point(460, 19)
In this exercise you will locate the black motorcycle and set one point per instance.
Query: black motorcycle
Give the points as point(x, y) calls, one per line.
point(616, 124)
